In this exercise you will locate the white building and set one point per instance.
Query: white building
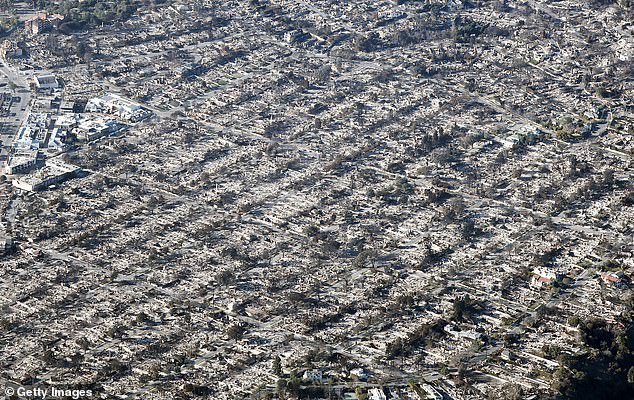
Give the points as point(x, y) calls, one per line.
point(46, 82)
point(67, 121)
point(20, 162)
point(52, 173)
point(32, 132)
point(359, 373)
point(312, 375)
point(90, 130)
point(376, 394)
point(113, 104)
point(56, 139)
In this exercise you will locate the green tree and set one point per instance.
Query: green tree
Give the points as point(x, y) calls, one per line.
point(235, 332)
point(277, 366)
point(281, 387)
